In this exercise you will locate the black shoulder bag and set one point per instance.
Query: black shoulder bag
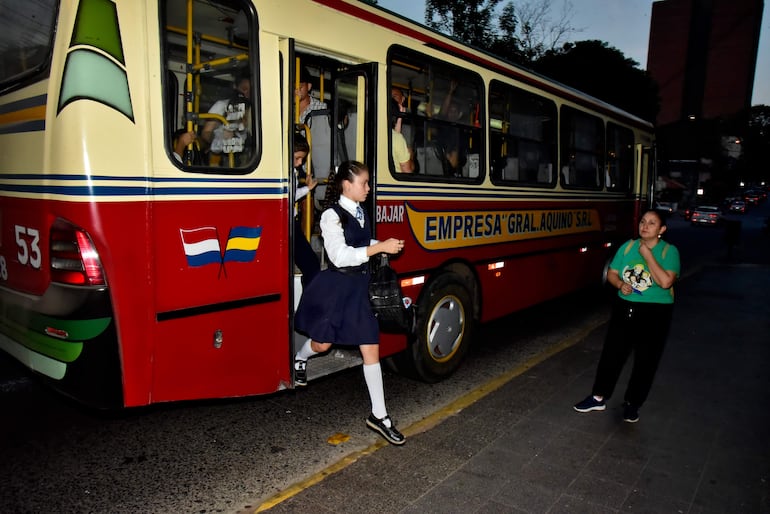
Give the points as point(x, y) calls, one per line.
point(386, 298)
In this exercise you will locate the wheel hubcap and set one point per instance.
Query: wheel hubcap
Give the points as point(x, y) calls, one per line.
point(445, 328)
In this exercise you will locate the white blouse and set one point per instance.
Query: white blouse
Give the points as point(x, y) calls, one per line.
point(337, 249)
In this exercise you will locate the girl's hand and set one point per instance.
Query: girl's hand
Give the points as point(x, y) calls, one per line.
point(310, 181)
point(392, 245)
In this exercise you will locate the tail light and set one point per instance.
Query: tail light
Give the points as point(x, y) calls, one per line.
point(74, 259)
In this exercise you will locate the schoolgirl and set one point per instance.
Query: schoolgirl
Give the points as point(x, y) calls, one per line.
point(335, 309)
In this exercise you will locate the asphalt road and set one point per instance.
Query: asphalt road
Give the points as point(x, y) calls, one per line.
point(229, 455)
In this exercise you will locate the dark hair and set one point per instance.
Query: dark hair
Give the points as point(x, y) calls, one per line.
point(243, 74)
point(300, 143)
point(304, 76)
point(395, 111)
point(347, 170)
point(662, 215)
point(177, 134)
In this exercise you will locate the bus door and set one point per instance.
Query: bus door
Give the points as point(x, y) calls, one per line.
point(352, 117)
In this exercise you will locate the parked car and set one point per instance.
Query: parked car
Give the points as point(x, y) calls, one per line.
point(752, 197)
point(706, 215)
point(688, 213)
point(738, 206)
point(668, 207)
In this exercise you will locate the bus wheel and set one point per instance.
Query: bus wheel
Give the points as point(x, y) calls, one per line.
point(444, 329)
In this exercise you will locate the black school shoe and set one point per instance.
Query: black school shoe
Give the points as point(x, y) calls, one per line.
point(390, 433)
point(300, 373)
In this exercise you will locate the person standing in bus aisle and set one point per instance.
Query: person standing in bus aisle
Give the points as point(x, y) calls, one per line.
point(641, 316)
point(215, 137)
point(450, 109)
point(304, 256)
point(402, 157)
point(404, 129)
point(453, 157)
point(307, 103)
point(335, 309)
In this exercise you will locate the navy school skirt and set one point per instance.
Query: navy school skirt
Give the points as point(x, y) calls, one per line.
point(335, 309)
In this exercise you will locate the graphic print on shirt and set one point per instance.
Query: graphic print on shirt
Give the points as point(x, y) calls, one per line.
point(637, 277)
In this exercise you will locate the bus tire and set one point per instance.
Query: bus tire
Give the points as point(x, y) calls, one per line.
point(444, 329)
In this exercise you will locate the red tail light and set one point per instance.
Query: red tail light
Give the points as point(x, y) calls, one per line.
point(74, 259)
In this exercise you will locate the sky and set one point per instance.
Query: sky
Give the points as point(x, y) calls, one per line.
point(625, 25)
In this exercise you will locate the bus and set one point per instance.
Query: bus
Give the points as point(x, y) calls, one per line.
point(133, 272)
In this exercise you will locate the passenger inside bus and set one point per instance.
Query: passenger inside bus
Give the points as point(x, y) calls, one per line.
point(402, 157)
point(450, 108)
point(307, 102)
point(314, 117)
point(219, 139)
point(181, 141)
point(304, 182)
point(405, 123)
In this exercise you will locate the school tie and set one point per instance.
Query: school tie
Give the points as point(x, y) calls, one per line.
point(359, 213)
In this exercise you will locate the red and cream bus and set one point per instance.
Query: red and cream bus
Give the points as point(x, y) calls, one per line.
point(130, 275)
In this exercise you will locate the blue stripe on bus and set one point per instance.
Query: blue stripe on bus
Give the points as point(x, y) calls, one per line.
point(139, 191)
point(494, 193)
point(159, 180)
point(26, 103)
point(24, 126)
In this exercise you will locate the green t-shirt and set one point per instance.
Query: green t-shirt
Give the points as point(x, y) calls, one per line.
point(633, 270)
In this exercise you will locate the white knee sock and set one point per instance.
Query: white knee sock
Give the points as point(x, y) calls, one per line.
point(305, 352)
point(373, 377)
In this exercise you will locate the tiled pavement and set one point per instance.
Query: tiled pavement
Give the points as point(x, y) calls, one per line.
point(702, 444)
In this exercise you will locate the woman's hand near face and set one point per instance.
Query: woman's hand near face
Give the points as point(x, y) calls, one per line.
point(645, 251)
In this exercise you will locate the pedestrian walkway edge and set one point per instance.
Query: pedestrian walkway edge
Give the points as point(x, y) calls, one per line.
point(438, 416)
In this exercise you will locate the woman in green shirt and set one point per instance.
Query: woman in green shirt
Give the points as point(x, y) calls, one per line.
point(643, 271)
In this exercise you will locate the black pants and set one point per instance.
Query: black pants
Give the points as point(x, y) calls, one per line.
point(643, 329)
point(304, 256)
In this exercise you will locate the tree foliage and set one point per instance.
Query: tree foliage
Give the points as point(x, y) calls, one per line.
point(528, 33)
point(520, 33)
point(605, 72)
point(469, 21)
point(756, 138)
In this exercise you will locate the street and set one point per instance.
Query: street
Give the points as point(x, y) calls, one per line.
point(228, 455)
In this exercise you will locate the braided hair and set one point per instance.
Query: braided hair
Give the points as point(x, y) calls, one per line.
point(347, 170)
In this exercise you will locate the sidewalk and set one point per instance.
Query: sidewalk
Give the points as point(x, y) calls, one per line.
point(702, 444)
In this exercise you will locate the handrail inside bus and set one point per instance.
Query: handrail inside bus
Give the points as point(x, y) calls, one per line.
point(221, 62)
point(210, 39)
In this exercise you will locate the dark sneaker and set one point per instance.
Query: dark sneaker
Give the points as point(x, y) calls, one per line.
point(630, 413)
point(589, 404)
point(390, 433)
point(300, 373)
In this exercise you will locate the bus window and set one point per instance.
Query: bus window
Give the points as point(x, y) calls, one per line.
point(582, 157)
point(442, 123)
point(217, 89)
point(522, 134)
point(620, 158)
point(26, 39)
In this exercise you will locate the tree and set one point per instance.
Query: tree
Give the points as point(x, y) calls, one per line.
point(469, 21)
point(529, 35)
point(520, 35)
point(757, 144)
point(604, 72)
